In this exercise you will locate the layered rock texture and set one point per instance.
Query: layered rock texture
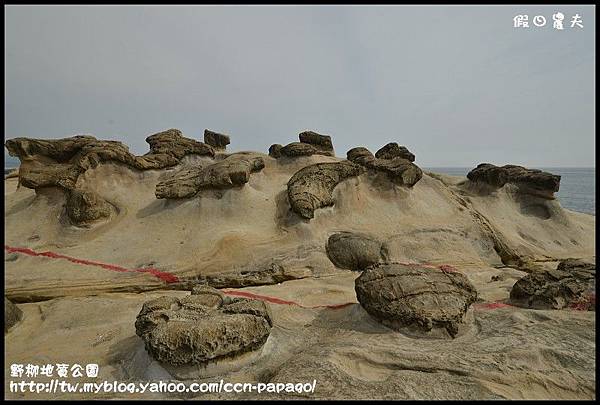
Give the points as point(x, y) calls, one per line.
point(202, 328)
point(311, 187)
point(570, 285)
point(528, 180)
point(311, 143)
point(233, 171)
point(354, 251)
point(411, 296)
point(393, 163)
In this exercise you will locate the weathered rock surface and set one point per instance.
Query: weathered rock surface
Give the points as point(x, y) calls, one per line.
point(415, 297)
point(84, 207)
point(571, 285)
point(321, 142)
point(354, 251)
point(311, 187)
point(216, 140)
point(275, 150)
point(400, 171)
point(233, 171)
point(60, 162)
point(267, 274)
point(527, 179)
point(393, 150)
point(187, 331)
point(311, 143)
point(12, 314)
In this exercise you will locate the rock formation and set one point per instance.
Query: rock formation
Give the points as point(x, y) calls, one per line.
point(321, 142)
point(60, 162)
point(233, 171)
point(216, 140)
point(354, 251)
point(415, 297)
point(571, 285)
point(198, 329)
point(12, 314)
point(393, 150)
point(311, 187)
point(399, 171)
point(311, 143)
point(543, 183)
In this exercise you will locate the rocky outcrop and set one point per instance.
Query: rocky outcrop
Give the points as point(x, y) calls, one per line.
point(321, 142)
point(311, 187)
point(216, 140)
point(416, 298)
point(542, 183)
point(12, 314)
point(398, 170)
point(311, 143)
point(571, 285)
point(233, 171)
point(60, 163)
point(263, 274)
point(275, 150)
point(393, 150)
point(354, 251)
point(197, 329)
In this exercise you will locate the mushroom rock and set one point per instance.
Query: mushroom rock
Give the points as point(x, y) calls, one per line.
point(399, 171)
point(541, 183)
point(216, 140)
point(321, 142)
point(392, 150)
point(311, 187)
point(354, 251)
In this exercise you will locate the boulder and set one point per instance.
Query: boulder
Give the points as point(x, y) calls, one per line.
point(196, 330)
point(296, 149)
point(398, 170)
point(12, 314)
point(311, 187)
point(233, 171)
point(216, 140)
point(354, 251)
point(543, 183)
point(393, 150)
point(321, 142)
point(427, 300)
point(571, 285)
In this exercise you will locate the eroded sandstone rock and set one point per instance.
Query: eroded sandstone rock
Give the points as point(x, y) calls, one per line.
point(527, 179)
point(187, 331)
point(400, 171)
point(321, 142)
point(216, 140)
point(354, 251)
point(393, 150)
point(12, 314)
point(275, 150)
point(60, 163)
point(311, 187)
point(416, 298)
point(571, 285)
point(233, 171)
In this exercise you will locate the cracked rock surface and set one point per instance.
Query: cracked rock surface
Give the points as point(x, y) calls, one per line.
point(230, 172)
point(202, 328)
point(532, 179)
point(311, 187)
point(354, 251)
point(570, 285)
point(417, 297)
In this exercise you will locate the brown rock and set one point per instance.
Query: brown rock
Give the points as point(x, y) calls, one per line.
point(311, 187)
point(321, 142)
point(354, 251)
point(398, 170)
point(414, 297)
point(392, 150)
point(542, 183)
point(216, 140)
point(12, 314)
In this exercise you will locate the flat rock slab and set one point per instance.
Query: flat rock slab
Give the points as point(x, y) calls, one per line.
point(416, 298)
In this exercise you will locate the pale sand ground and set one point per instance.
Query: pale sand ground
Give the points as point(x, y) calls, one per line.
point(506, 353)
